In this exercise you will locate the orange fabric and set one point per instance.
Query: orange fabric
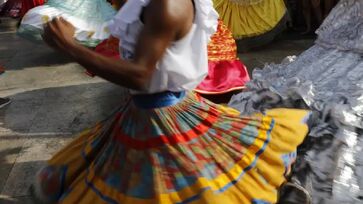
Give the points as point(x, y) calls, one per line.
point(222, 45)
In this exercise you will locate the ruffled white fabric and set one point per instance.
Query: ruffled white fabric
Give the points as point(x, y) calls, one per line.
point(185, 63)
point(320, 77)
point(343, 32)
point(328, 79)
point(329, 82)
point(88, 29)
point(129, 14)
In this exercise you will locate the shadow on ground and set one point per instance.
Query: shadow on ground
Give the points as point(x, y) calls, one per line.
point(60, 109)
point(18, 53)
point(274, 52)
point(27, 54)
point(38, 123)
point(24, 179)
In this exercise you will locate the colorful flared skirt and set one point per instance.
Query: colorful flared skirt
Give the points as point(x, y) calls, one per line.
point(250, 19)
point(191, 152)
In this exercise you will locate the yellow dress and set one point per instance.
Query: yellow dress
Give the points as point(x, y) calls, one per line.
point(250, 18)
point(193, 152)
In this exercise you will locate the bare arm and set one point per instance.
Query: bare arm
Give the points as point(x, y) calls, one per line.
point(161, 28)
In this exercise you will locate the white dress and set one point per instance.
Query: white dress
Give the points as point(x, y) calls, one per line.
point(183, 66)
point(327, 78)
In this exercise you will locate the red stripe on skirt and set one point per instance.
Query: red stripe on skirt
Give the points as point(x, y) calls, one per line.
point(197, 131)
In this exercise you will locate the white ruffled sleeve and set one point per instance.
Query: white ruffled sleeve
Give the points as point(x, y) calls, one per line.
point(128, 14)
point(206, 16)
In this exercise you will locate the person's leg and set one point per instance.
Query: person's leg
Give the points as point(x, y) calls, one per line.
point(289, 20)
point(317, 10)
point(2, 69)
point(294, 6)
point(328, 6)
point(306, 6)
point(3, 101)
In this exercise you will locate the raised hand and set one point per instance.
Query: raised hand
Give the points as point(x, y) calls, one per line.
point(59, 34)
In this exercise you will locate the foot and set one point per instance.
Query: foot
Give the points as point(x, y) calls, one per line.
point(292, 193)
point(33, 196)
point(2, 69)
point(4, 102)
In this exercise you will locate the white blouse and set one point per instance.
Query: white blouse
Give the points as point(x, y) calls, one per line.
point(185, 63)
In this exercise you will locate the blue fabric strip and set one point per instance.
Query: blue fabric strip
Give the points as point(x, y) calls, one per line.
point(158, 100)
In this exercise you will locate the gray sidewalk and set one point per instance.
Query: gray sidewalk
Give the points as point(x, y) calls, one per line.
point(53, 99)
